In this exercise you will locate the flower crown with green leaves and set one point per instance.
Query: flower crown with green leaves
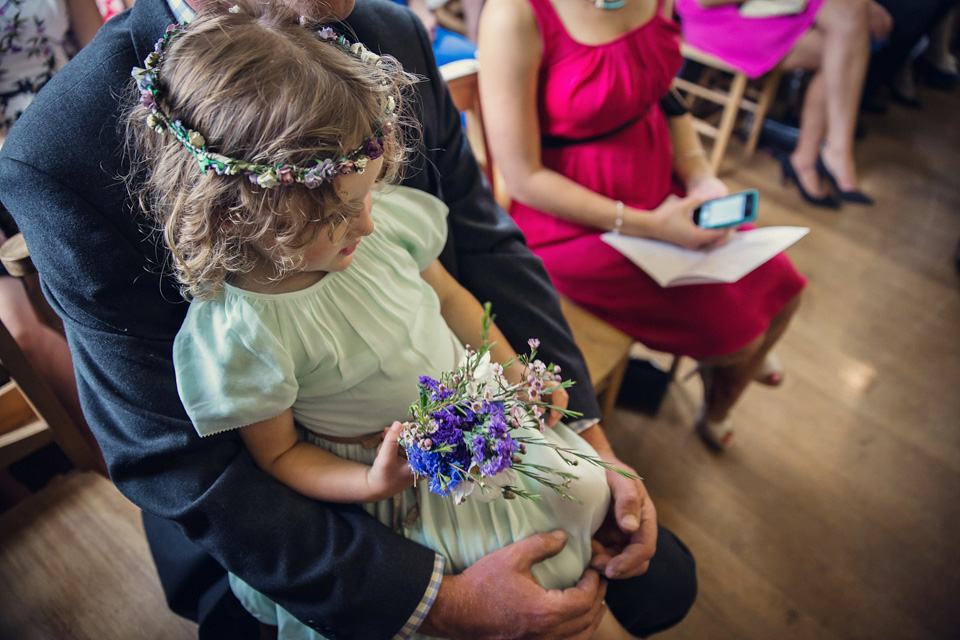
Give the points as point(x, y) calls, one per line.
point(267, 176)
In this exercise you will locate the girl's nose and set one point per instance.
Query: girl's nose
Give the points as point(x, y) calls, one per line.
point(364, 224)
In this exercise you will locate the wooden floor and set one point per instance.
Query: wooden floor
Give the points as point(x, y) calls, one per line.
point(836, 512)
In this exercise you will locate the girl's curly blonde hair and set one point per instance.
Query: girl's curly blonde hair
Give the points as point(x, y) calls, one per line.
point(261, 88)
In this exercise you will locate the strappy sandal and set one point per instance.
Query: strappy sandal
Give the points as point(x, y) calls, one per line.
point(717, 435)
point(771, 371)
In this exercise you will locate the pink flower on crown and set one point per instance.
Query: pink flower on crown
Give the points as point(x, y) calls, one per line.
point(345, 167)
point(285, 175)
point(147, 101)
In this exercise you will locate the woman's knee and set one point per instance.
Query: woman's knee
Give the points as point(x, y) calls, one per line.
point(846, 17)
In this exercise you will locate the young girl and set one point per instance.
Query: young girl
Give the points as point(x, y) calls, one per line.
point(316, 306)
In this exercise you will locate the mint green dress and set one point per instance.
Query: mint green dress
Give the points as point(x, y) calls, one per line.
point(346, 354)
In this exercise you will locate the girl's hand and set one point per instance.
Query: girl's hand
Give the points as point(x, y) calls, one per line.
point(672, 222)
point(390, 474)
point(560, 399)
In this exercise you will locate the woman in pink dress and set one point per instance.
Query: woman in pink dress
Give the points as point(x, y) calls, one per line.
point(572, 97)
point(830, 38)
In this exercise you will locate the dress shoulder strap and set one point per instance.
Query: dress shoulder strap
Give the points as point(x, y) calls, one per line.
point(547, 21)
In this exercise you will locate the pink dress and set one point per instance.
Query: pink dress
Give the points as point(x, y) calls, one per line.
point(607, 98)
point(753, 45)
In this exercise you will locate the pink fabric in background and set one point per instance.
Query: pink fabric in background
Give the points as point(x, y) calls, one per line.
point(753, 45)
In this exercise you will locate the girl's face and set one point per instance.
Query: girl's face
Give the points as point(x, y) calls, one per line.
point(334, 251)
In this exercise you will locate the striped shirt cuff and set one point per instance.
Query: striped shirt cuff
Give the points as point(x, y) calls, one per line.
point(420, 613)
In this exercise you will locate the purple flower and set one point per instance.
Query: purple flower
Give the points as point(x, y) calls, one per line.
point(533, 342)
point(326, 33)
point(373, 148)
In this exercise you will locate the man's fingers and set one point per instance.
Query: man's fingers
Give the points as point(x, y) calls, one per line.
point(537, 548)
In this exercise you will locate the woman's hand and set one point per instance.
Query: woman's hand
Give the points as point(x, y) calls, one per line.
point(672, 222)
point(390, 474)
point(707, 187)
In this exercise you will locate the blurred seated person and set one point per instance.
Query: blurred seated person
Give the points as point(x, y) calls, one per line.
point(448, 46)
point(588, 140)
point(831, 38)
point(917, 46)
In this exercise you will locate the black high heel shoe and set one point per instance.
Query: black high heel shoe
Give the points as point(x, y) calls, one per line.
point(790, 175)
point(854, 196)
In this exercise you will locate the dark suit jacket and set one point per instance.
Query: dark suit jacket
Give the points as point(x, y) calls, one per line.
point(60, 175)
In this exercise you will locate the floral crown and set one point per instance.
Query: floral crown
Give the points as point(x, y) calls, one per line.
point(267, 176)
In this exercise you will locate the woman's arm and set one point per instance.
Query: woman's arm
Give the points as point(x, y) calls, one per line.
point(510, 45)
point(690, 162)
point(85, 20)
point(319, 474)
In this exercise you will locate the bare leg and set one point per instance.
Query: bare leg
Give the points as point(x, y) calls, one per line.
point(838, 48)
point(732, 373)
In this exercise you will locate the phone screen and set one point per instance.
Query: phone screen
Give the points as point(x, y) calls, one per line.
point(730, 210)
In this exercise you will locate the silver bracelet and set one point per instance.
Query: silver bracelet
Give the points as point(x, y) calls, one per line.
point(618, 223)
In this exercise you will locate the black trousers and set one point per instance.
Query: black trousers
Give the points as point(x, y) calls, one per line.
point(196, 587)
point(912, 19)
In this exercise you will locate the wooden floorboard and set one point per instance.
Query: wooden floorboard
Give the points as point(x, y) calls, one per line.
point(835, 514)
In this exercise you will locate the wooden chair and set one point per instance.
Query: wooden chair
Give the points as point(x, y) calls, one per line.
point(605, 349)
point(732, 98)
point(32, 416)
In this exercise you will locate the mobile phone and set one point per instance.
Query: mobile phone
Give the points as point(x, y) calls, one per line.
point(727, 211)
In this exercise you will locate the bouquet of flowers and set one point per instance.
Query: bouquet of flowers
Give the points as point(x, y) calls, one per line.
point(471, 428)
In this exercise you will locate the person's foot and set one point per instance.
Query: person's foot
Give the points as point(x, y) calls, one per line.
point(806, 176)
point(841, 170)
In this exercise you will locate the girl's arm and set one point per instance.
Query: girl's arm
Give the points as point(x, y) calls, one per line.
point(510, 45)
point(464, 315)
point(317, 473)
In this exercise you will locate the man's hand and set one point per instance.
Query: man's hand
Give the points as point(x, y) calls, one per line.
point(497, 598)
point(627, 539)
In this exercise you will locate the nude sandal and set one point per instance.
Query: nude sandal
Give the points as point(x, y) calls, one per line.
point(771, 371)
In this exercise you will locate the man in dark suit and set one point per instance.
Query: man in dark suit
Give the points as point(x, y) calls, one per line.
point(332, 566)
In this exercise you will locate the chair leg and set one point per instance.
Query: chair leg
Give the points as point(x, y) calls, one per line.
point(608, 399)
point(767, 94)
point(728, 120)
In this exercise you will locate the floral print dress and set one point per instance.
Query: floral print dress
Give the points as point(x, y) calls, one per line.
point(34, 44)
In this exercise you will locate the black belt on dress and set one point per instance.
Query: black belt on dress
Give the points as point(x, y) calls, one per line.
point(555, 142)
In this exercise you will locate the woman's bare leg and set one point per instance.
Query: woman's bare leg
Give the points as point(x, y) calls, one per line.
point(838, 47)
point(734, 372)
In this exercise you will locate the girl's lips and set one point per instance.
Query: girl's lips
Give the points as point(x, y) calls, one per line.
point(348, 250)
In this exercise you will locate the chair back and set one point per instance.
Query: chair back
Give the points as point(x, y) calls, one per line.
point(31, 415)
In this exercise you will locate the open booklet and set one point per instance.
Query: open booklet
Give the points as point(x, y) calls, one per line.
point(768, 8)
point(672, 266)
